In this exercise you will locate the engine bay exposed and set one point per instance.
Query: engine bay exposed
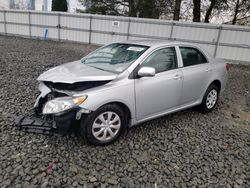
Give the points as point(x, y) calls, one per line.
point(63, 90)
point(77, 86)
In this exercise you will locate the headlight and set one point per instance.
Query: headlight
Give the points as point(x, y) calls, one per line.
point(62, 104)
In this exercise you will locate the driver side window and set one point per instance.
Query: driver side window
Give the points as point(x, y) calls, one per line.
point(162, 60)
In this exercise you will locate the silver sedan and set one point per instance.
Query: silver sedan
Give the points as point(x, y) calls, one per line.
point(122, 84)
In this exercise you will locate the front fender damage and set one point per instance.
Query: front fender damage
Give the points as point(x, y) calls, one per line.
point(57, 123)
point(44, 91)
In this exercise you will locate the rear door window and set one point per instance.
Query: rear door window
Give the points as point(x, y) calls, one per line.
point(192, 56)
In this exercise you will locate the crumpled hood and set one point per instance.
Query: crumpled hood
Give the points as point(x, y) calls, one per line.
point(75, 72)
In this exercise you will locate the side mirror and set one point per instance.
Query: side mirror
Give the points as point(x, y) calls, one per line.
point(146, 72)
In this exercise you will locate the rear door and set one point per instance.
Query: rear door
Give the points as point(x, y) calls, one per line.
point(196, 73)
point(155, 95)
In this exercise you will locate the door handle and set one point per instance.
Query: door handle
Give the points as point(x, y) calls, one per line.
point(207, 69)
point(177, 77)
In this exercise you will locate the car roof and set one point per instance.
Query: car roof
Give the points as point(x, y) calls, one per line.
point(158, 43)
point(153, 42)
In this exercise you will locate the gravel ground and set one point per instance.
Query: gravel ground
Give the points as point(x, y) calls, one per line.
point(186, 149)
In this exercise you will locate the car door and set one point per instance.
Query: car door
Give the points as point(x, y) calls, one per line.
point(155, 95)
point(196, 71)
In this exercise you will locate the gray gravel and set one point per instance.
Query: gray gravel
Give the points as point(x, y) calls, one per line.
point(186, 149)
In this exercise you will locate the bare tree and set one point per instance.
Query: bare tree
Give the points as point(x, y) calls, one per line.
point(236, 11)
point(241, 9)
point(209, 10)
point(177, 9)
point(215, 7)
point(59, 5)
point(134, 8)
point(197, 10)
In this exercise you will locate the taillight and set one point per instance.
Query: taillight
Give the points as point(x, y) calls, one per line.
point(227, 66)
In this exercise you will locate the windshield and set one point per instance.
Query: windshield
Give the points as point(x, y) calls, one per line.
point(114, 57)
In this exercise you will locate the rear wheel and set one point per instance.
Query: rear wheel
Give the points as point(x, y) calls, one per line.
point(104, 126)
point(210, 99)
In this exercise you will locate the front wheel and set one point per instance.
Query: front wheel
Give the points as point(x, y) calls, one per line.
point(104, 126)
point(210, 99)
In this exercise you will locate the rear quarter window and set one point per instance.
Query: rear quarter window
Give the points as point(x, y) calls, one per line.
point(192, 56)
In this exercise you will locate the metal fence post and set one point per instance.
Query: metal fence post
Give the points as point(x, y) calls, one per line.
point(29, 24)
point(90, 28)
point(59, 27)
point(217, 41)
point(128, 31)
point(5, 23)
point(171, 31)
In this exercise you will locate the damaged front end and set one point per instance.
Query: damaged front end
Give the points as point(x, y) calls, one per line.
point(56, 125)
point(56, 111)
point(56, 108)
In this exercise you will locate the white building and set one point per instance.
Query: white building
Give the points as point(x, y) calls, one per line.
point(36, 4)
point(4, 4)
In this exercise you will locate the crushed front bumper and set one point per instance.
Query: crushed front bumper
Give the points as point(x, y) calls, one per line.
point(61, 123)
point(56, 125)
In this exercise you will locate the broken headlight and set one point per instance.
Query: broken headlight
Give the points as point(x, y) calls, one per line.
point(62, 104)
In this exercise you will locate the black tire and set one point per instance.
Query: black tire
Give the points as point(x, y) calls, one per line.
point(203, 107)
point(88, 121)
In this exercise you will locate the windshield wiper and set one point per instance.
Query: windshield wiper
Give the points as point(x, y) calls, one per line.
point(114, 62)
point(102, 69)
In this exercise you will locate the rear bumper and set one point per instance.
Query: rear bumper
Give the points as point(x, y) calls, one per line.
point(224, 82)
point(60, 124)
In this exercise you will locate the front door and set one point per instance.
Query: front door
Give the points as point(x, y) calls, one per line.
point(158, 94)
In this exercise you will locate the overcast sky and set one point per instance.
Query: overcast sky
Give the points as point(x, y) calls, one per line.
point(4, 4)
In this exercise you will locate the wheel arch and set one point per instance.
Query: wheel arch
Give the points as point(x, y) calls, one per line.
point(87, 122)
point(123, 106)
point(216, 83)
